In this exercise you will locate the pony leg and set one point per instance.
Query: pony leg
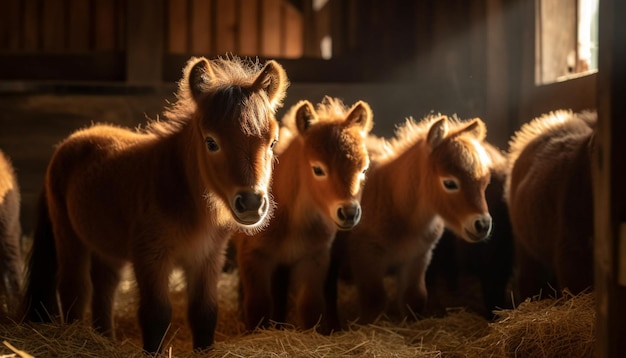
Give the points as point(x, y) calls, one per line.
point(155, 310)
point(310, 275)
point(280, 294)
point(331, 295)
point(368, 275)
point(412, 292)
point(494, 292)
point(573, 266)
point(105, 276)
point(202, 279)
point(73, 274)
point(255, 278)
point(531, 276)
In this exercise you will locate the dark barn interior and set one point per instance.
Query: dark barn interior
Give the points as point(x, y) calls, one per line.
point(65, 64)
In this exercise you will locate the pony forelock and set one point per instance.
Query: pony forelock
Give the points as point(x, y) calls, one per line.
point(406, 135)
point(329, 110)
point(228, 71)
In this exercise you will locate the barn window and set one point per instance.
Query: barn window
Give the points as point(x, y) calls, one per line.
point(567, 39)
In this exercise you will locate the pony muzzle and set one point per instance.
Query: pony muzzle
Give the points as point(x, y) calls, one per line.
point(479, 228)
point(249, 207)
point(348, 216)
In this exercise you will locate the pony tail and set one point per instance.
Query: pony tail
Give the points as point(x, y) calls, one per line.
point(39, 300)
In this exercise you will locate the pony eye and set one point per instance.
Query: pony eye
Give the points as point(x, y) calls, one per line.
point(318, 171)
point(274, 142)
point(211, 144)
point(450, 184)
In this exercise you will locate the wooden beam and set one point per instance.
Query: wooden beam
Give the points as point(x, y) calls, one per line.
point(144, 42)
point(609, 177)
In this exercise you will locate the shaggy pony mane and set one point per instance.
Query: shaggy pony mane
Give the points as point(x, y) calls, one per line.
point(228, 71)
point(328, 110)
point(406, 135)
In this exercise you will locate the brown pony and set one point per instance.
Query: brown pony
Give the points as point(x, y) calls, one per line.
point(490, 261)
point(317, 184)
point(169, 195)
point(433, 172)
point(10, 237)
point(550, 202)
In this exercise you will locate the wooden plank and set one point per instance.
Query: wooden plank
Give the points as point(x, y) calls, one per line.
point(78, 25)
point(309, 40)
point(177, 30)
point(323, 29)
point(497, 75)
point(10, 25)
point(144, 42)
point(104, 25)
point(225, 27)
point(122, 23)
point(31, 24)
point(53, 26)
point(609, 176)
point(62, 68)
point(201, 23)
point(292, 33)
point(248, 36)
point(557, 38)
point(271, 28)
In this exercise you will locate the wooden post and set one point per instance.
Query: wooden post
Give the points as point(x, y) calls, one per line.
point(609, 172)
point(144, 41)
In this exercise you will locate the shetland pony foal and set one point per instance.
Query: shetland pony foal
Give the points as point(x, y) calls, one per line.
point(170, 195)
point(10, 237)
point(433, 172)
point(551, 204)
point(317, 183)
point(490, 261)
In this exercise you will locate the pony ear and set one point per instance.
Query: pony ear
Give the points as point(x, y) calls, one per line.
point(437, 132)
point(361, 115)
point(305, 116)
point(477, 128)
point(199, 77)
point(273, 80)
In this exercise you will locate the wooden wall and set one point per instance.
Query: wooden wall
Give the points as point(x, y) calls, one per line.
point(371, 40)
point(62, 26)
point(269, 28)
point(454, 56)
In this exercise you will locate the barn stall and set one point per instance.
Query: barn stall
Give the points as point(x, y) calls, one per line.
point(66, 64)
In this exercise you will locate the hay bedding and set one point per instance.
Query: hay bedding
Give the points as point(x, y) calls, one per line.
point(548, 328)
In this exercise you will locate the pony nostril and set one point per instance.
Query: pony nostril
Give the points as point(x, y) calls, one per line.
point(482, 225)
point(357, 214)
point(239, 205)
point(340, 214)
point(248, 202)
point(349, 213)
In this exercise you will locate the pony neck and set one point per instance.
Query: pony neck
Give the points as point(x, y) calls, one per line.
point(189, 147)
point(405, 176)
point(287, 174)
